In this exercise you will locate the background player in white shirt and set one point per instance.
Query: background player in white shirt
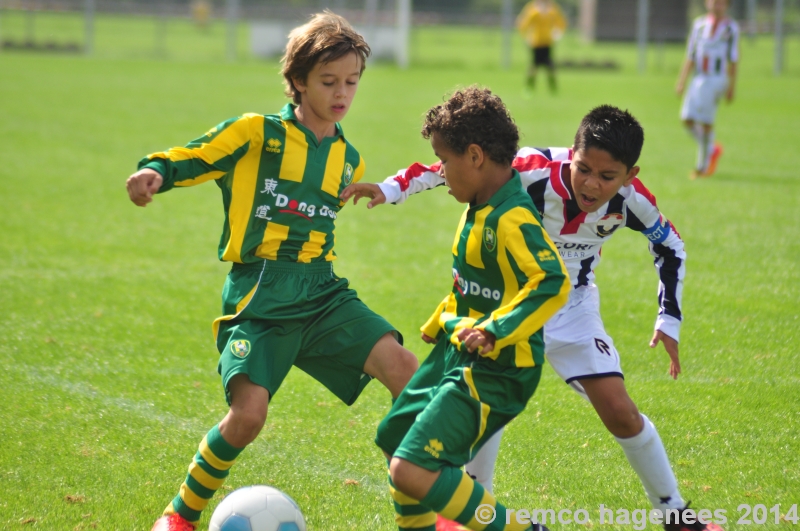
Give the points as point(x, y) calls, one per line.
point(584, 195)
point(712, 53)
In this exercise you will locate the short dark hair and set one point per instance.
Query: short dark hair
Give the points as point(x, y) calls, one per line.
point(613, 130)
point(325, 38)
point(474, 116)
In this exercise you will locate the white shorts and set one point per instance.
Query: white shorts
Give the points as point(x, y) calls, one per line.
point(702, 98)
point(576, 343)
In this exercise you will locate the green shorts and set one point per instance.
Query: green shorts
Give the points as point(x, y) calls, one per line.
point(279, 314)
point(453, 404)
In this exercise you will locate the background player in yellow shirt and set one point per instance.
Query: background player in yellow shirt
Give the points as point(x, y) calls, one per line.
point(280, 176)
point(541, 22)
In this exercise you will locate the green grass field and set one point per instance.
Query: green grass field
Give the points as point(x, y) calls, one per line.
point(110, 369)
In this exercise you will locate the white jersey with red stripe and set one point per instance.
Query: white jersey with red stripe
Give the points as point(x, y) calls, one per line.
point(579, 236)
point(712, 44)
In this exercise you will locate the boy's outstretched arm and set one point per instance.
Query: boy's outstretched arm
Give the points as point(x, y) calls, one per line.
point(142, 185)
point(680, 86)
point(731, 81)
point(359, 190)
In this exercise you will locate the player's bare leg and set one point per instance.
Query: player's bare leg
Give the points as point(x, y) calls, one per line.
point(248, 412)
point(217, 453)
point(391, 364)
point(551, 78)
point(530, 80)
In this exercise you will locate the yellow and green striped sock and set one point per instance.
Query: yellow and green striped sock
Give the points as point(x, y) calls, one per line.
point(456, 496)
point(207, 473)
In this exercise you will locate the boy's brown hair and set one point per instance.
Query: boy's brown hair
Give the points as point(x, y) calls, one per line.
point(474, 116)
point(326, 37)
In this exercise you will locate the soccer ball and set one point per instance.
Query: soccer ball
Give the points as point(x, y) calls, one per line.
point(257, 508)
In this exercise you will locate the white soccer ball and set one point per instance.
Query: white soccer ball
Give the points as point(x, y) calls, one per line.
point(257, 508)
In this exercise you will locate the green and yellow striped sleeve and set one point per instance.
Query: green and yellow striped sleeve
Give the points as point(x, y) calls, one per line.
point(209, 157)
point(527, 253)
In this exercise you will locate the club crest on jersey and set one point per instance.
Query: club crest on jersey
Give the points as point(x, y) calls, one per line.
point(608, 224)
point(489, 239)
point(347, 176)
point(240, 348)
point(273, 145)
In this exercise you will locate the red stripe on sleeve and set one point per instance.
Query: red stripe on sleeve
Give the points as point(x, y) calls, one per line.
point(642, 190)
point(531, 162)
point(414, 171)
point(674, 229)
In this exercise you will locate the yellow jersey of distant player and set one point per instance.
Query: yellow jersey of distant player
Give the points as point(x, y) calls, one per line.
point(540, 22)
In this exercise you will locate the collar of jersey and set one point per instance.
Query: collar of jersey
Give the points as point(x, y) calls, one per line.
point(287, 113)
point(507, 190)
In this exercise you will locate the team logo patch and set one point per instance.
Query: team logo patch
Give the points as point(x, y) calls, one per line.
point(240, 348)
point(489, 239)
point(347, 176)
point(434, 447)
point(273, 145)
point(545, 255)
point(608, 224)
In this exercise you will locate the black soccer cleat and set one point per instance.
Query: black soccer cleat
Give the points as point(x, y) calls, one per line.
point(539, 527)
point(681, 525)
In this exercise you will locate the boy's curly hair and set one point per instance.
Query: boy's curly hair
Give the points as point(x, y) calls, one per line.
point(326, 37)
point(613, 130)
point(474, 116)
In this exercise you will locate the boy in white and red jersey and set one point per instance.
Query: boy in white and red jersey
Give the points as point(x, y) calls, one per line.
point(712, 53)
point(584, 195)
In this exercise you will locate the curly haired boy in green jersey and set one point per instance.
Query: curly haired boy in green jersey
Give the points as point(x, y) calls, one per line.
point(508, 280)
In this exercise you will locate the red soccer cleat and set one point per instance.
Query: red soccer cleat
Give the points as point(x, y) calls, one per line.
point(443, 524)
point(172, 522)
point(716, 153)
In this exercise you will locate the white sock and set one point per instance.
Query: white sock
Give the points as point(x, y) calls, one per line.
point(482, 465)
point(647, 456)
point(702, 148)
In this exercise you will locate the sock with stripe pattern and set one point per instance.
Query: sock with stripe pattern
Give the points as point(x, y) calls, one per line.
point(207, 472)
point(458, 497)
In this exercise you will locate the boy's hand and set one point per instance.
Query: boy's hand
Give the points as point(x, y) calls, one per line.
point(671, 346)
point(428, 339)
point(474, 339)
point(679, 88)
point(359, 190)
point(142, 185)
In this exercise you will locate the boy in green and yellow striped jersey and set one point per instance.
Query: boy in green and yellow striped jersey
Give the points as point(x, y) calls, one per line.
point(508, 281)
point(280, 177)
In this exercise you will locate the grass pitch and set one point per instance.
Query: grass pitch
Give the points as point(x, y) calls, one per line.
point(110, 377)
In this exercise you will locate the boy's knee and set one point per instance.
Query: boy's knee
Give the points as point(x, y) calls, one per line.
point(406, 360)
point(247, 414)
point(245, 424)
point(622, 418)
point(402, 474)
point(391, 364)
